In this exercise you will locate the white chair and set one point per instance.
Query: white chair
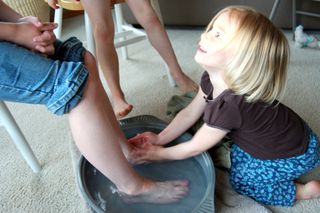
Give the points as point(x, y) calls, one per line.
point(296, 12)
point(7, 120)
point(125, 34)
point(122, 31)
point(274, 9)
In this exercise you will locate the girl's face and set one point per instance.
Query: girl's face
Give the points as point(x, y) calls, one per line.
point(212, 54)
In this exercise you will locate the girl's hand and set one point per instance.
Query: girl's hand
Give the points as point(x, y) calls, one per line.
point(146, 153)
point(146, 137)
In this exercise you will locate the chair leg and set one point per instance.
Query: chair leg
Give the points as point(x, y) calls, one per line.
point(58, 13)
point(274, 9)
point(294, 17)
point(18, 138)
point(89, 34)
point(119, 23)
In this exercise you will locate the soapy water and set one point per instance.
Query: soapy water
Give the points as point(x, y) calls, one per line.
point(106, 198)
point(103, 197)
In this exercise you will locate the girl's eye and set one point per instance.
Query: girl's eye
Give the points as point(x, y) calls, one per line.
point(217, 34)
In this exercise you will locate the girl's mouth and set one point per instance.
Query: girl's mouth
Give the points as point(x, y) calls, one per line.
point(201, 50)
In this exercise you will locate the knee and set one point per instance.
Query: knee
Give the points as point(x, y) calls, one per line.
point(104, 33)
point(91, 65)
point(89, 58)
point(149, 21)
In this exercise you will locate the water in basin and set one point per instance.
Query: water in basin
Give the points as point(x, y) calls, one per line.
point(101, 194)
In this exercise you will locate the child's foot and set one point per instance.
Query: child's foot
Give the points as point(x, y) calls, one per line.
point(185, 84)
point(307, 191)
point(121, 108)
point(159, 192)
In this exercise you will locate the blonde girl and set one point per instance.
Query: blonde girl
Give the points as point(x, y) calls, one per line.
point(245, 57)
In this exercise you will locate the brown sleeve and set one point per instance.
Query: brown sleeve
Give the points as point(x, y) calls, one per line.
point(223, 114)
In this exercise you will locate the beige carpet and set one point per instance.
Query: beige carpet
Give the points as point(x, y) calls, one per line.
point(146, 86)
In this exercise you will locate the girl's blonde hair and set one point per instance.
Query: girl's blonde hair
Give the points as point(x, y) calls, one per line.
point(258, 68)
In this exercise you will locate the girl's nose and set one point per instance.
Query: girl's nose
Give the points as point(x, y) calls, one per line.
point(204, 36)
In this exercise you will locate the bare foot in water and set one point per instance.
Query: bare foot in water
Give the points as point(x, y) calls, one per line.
point(121, 108)
point(185, 83)
point(159, 192)
point(308, 191)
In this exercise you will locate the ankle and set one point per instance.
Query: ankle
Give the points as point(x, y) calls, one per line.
point(135, 189)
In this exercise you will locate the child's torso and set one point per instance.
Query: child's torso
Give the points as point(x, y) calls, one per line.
point(264, 131)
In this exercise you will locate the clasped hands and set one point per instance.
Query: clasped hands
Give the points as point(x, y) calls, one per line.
point(145, 148)
point(36, 35)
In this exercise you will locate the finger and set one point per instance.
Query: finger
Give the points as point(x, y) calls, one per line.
point(40, 48)
point(34, 20)
point(46, 38)
point(37, 23)
point(137, 136)
point(48, 50)
point(48, 26)
point(142, 144)
point(136, 141)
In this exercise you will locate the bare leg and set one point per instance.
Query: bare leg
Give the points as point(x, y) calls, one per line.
point(308, 191)
point(159, 39)
point(98, 135)
point(100, 15)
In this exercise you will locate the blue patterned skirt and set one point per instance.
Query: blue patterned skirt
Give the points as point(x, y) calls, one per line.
point(272, 182)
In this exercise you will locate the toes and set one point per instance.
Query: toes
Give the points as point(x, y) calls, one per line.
point(125, 112)
point(180, 183)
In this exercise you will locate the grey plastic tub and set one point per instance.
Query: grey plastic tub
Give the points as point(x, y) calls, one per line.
point(101, 194)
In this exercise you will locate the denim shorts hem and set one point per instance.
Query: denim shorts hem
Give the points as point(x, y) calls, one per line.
point(73, 94)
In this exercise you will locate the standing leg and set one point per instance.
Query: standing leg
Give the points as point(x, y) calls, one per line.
point(159, 39)
point(98, 135)
point(100, 15)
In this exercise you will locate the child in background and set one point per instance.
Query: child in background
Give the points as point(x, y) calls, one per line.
point(67, 81)
point(100, 14)
point(245, 57)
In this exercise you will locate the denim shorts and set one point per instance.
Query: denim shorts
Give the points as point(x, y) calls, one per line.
point(57, 82)
point(272, 182)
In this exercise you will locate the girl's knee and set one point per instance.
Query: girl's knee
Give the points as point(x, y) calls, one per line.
point(91, 65)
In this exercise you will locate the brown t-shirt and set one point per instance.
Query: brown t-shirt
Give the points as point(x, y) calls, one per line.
point(262, 130)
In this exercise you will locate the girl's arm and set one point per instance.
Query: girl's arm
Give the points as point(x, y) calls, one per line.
point(203, 140)
point(180, 124)
point(183, 120)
